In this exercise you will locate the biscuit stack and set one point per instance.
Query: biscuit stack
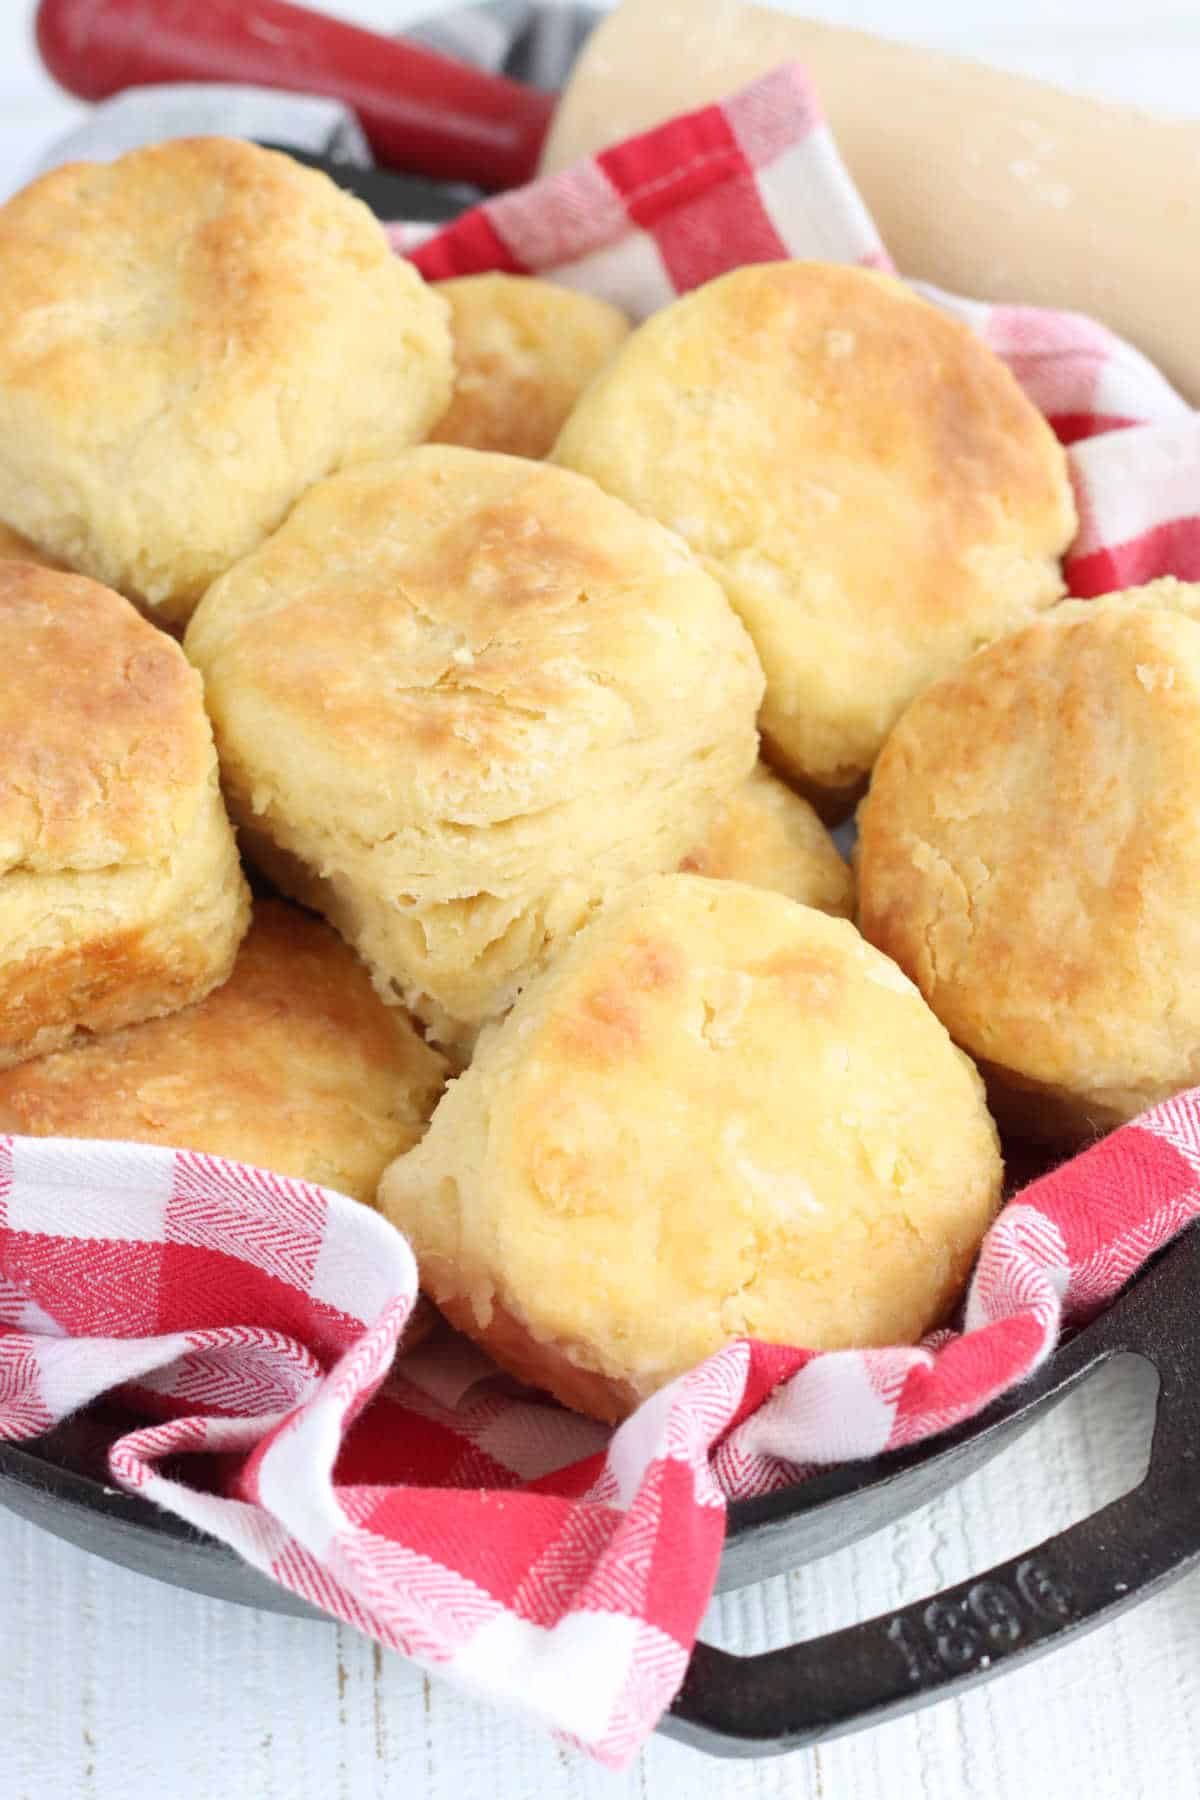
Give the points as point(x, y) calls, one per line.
point(483, 601)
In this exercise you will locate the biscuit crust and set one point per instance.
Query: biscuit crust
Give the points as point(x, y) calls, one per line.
point(189, 337)
point(460, 698)
point(15, 548)
point(865, 478)
point(121, 895)
point(767, 836)
point(717, 1114)
point(524, 350)
point(294, 1064)
point(1029, 853)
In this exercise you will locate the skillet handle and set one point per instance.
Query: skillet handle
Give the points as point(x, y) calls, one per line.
point(798, 1695)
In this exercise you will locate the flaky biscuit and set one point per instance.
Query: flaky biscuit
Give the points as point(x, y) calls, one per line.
point(458, 699)
point(121, 896)
point(769, 837)
point(865, 478)
point(716, 1114)
point(189, 337)
point(1029, 852)
point(294, 1064)
point(524, 350)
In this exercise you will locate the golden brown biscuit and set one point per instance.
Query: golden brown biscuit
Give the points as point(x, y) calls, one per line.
point(294, 1064)
point(1167, 594)
point(768, 837)
point(121, 896)
point(865, 478)
point(15, 548)
point(1029, 853)
point(717, 1114)
point(189, 337)
point(459, 698)
point(524, 350)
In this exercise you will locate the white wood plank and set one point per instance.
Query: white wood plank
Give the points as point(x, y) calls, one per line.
point(112, 1684)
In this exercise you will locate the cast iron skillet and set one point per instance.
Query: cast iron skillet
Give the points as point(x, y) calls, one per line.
point(783, 1699)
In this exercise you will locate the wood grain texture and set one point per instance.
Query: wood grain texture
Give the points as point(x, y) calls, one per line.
point(112, 1686)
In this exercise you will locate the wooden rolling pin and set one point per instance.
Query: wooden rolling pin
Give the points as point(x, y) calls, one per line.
point(986, 183)
point(983, 182)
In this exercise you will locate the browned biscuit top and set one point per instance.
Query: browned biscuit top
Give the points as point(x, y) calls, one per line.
point(1030, 854)
point(469, 625)
point(862, 473)
point(295, 1064)
point(105, 749)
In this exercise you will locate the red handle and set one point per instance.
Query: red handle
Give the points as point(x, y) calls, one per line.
point(420, 111)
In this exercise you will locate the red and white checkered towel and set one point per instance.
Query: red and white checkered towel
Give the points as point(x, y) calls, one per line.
point(520, 1550)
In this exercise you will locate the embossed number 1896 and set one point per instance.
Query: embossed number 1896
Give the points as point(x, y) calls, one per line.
point(963, 1631)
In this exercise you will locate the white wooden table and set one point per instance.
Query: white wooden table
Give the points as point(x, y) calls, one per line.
point(112, 1686)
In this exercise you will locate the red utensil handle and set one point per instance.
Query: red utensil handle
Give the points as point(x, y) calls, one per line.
point(421, 111)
